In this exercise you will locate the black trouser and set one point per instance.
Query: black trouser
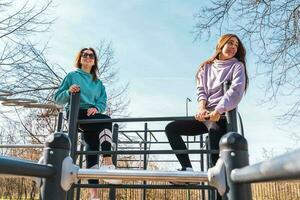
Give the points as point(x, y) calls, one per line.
point(93, 139)
point(176, 129)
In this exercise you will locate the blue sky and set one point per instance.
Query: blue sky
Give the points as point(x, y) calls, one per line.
point(155, 53)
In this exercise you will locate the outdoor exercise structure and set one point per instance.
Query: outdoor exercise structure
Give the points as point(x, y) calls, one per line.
point(231, 176)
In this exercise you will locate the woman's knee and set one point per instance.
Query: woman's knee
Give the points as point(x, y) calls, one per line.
point(105, 116)
point(171, 129)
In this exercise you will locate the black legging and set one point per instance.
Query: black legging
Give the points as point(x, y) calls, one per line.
point(93, 139)
point(176, 129)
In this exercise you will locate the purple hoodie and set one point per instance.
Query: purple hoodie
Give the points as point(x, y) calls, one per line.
point(210, 84)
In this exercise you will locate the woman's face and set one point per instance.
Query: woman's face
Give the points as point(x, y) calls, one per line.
point(87, 58)
point(230, 48)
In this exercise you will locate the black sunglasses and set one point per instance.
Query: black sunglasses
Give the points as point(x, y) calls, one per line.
point(88, 55)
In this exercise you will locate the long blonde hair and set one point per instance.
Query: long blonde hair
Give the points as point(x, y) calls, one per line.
point(240, 54)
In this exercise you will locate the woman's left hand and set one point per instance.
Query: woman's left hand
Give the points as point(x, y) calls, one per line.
point(214, 116)
point(91, 111)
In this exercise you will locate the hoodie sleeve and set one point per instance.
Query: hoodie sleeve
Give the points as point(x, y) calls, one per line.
point(62, 95)
point(234, 94)
point(101, 101)
point(201, 94)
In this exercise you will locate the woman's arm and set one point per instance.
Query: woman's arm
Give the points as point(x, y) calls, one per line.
point(202, 112)
point(234, 94)
point(201, 94)
point(62, 95)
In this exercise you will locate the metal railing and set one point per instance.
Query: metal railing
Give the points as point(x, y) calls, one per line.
point(49, 170)
point(231, 175)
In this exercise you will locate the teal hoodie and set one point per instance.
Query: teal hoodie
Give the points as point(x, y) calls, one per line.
point(92, 93)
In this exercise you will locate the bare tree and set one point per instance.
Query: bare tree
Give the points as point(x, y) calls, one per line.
point(272, 30)
point(27, 73)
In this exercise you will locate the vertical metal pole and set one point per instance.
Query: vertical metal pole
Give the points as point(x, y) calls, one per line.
point(60, 121)
point(115, 136)
point(80, 166)
point(145, 158)
point(187, 100)
point(210, 192)
point(73, 128)
point(230, 115)
point(234, 153)
point(202, 164)
point(73, 119)
point(57, 148)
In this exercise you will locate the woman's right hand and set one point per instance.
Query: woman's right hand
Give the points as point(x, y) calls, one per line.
point(74, 89)
point(202, 114)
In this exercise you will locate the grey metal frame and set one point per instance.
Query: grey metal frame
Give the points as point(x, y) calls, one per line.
point(56, 149)
point(232, 174)
point(73, 127)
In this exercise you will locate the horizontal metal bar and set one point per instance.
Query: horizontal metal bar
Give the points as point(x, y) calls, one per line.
point(140, 119)
point(152, 142)
point(133, 131)
point(137, 160)
point(147, 186)
point(5, 93)
point(18, 167)
point(147, 175)
point(21, 146)
point(284, 167)
point(119, 142)
point(149, 152)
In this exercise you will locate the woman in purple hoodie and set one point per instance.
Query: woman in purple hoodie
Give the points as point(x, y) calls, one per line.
point(227, 64)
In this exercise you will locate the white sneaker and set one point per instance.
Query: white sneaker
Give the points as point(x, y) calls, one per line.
point(110, 181)
point(187, 169)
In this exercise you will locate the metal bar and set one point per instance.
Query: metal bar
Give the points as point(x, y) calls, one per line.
point(41, 105)
point(57, 149)
point(137, 133)
point(60, 121)
point(234, 154)
point(152, 135)
point(149, 186)
point(130, 140)
point(145, 163)
point(5, 93)
point(148, 152)
point(136, 160)
point(137, 142)
point(230, 115)
point(140, 119)
point(133, 119)
point(73, 128)
point(202, 165)
point(284, 167)
point(132, 131)
point(73, 125)
point(42, 146)
point(149, 175)
point(21, 146)
point(18, 167)
point(77, 197)
point(112, 191)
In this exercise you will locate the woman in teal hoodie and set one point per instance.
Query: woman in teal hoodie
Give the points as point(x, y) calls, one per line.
point(93, 100)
